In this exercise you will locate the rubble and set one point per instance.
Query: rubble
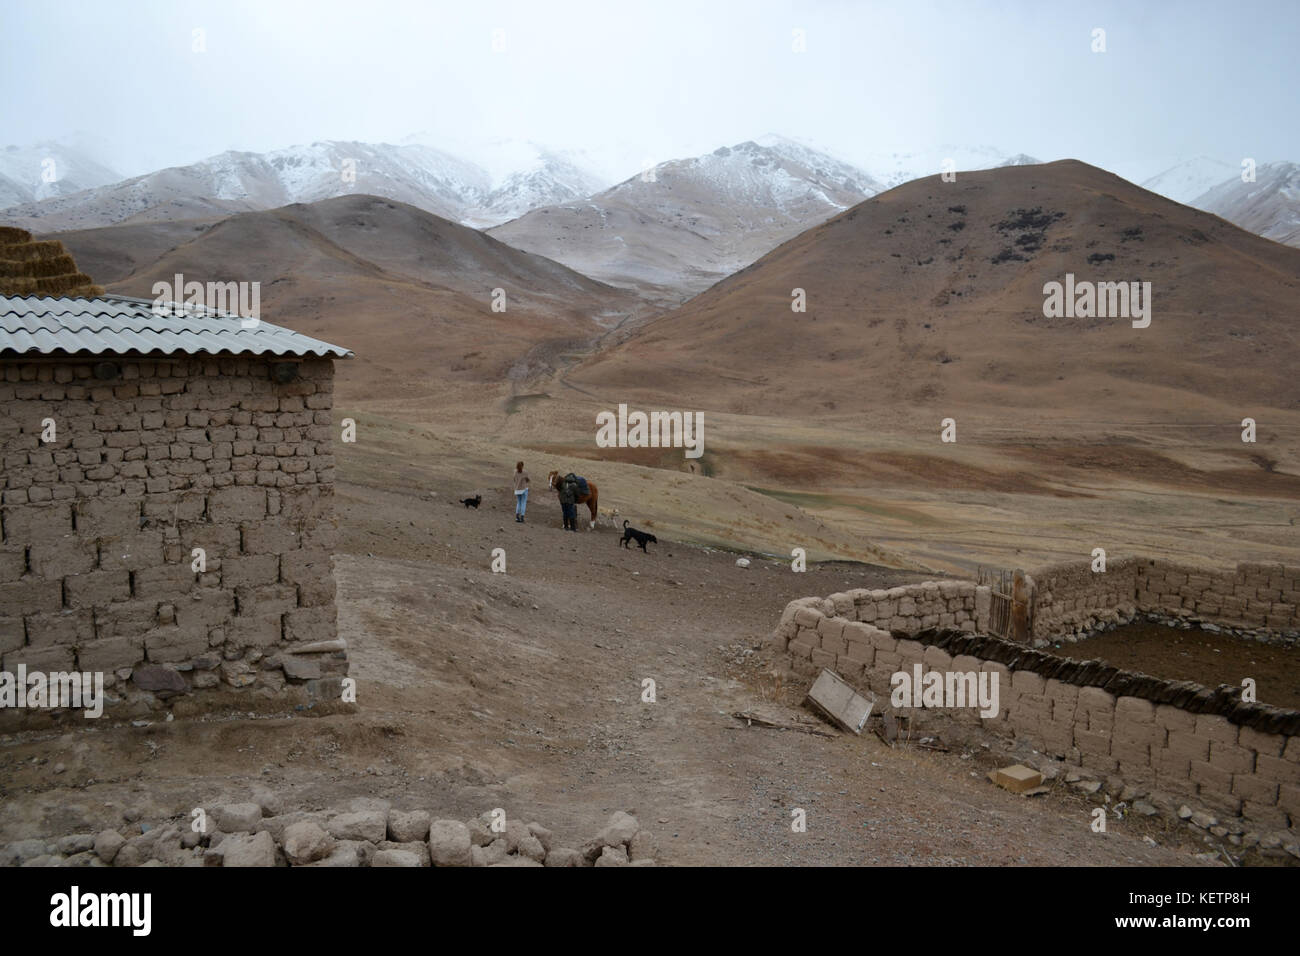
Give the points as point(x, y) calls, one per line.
point(350, 837)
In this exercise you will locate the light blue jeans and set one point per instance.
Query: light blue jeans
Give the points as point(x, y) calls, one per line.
point(521, 502)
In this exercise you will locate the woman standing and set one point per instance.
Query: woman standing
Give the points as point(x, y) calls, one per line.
point(521, 491)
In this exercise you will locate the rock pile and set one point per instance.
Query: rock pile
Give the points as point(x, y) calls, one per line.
point(367, 833)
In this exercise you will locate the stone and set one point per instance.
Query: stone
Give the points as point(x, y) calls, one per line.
point(345, 853)
point(269, 801)
point(405, 858)
point(76, 843)
point(517, 861)
point(543, 835)
point(1144, 808)
point(244, 849)
point(642, 846)
point(299, 668)
point(488, 855)
point(321, 647)
point(128, 855)
point(532, 848)
point(237, 817)
point(1184, 812)
point(1203, 820)
point(564, 856)
point(480, 833)
point(406, 827)
point(306, 842)
point(19, 852)
point(645, 862)
point(449, 843)
point(620, 829)
point(368, 825)
point(612, 856)
point(515, 831)
point(156, 677)
point(418, 847)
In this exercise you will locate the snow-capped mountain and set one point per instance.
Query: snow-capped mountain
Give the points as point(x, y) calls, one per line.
point(1270, 206)
point(543, 178)
point(894, 168)
point(685, 223)
point(425, 177)
point(48, 169)
point(1020, 159)
point(1185, 181)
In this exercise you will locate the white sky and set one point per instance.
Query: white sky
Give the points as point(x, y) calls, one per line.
point(629, 82)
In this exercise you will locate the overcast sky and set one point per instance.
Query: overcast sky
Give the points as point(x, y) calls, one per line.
point(630, 81)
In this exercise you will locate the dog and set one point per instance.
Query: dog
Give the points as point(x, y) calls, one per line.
point(471, 502)
point(641, 537)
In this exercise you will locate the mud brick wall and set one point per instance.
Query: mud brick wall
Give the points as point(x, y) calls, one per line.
point(956, 604)
point(1258, 596)
point(1070, 599)
point(1187, 741)
point(97, 529)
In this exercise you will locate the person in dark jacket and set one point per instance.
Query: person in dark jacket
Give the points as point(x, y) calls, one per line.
point(568, 492)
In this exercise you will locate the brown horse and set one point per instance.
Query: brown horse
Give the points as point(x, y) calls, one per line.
point(590, 499)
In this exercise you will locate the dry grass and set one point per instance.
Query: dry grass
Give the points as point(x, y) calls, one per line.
point(62, 285)
point(29, 251)
point(39, 268)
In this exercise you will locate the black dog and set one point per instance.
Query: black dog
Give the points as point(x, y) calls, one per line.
point(471, 502)
point(641, 537)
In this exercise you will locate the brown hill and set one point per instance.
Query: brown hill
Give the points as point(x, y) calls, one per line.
point(927, 300)
point(410, 292)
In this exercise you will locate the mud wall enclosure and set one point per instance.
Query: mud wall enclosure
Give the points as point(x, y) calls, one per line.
point(1256, 599)
point(1180, 739)
point(99, 529)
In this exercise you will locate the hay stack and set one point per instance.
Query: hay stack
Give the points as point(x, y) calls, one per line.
point(40, 268)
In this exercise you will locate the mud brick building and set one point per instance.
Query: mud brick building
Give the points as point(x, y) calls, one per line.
point(167, 505)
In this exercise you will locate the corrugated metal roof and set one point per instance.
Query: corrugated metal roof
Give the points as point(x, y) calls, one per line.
point(112, 325)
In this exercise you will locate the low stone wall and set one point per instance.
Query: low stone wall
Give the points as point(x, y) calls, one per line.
point(369, 832)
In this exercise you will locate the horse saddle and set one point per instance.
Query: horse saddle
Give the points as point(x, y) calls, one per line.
point(580, 481)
